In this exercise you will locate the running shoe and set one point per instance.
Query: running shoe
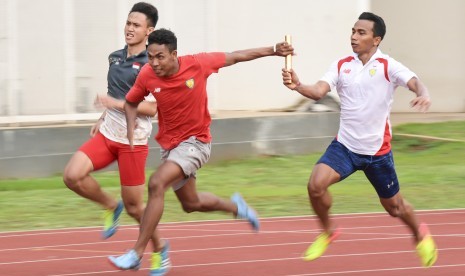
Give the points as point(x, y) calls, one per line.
point(319, 246)
point(160, 261)
point(111, 220)
point(426, 248)
point(245, 212)
point(129, 260)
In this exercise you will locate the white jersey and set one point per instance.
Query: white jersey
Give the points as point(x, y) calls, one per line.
point(366, 93)
point(114, 126)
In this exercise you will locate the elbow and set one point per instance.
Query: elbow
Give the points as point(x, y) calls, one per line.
point(317, 97)
point(152, 113)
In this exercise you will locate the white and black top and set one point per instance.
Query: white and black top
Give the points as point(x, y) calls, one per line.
point(122, 74)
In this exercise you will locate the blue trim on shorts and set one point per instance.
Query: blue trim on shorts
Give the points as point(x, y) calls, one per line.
point(379, 169)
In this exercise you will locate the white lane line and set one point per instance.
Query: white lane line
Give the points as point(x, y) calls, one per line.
point(295, 258)
point(346, 231)
point(171, 225)
point(435, 267)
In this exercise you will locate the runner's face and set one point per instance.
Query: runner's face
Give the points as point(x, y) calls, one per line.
point(163, 63)
point(362, 39)
point(136, 30)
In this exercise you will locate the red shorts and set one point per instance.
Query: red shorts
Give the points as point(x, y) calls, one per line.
point(102, 152)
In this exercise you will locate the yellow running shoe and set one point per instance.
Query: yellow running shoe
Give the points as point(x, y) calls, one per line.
point(426, 248)
point(320, 245)
point(111, 220)
point(160, 261)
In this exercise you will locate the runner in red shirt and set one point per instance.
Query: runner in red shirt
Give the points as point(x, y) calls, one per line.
point(179, 87)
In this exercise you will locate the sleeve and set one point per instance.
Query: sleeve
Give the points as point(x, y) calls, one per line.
point(331, 76)
point(211, 62)
point(139, 90)
point(399, 74)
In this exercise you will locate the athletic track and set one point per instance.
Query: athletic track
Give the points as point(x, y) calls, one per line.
point(370, 244)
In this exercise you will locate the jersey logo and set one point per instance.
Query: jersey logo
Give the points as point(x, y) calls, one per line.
point(372, 72)
point(114, 60)
point(157, 90)
point(190, 83)
point(346, 71)
point(136, 65)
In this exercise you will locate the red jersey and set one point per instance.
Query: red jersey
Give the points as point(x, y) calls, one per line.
point(181, 98)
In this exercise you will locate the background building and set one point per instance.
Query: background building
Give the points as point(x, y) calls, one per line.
point(54, 52)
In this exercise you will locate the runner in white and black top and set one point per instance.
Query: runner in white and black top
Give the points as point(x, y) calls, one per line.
point(108, 142)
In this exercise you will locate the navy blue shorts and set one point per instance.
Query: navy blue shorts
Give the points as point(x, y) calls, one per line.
point(379, 170)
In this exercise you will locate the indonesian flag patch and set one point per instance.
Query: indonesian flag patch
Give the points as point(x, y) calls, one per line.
point(136, 65)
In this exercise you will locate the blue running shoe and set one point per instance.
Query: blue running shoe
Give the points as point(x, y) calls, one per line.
point(160, 262)
point(129, 260)
point(245, 212)
point(111, 220)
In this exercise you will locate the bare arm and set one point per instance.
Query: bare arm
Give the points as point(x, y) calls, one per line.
point(130, 110)
point(313, 91)
point(145, 108)
point(95, 128)
point(422, 101)
point(282, 49)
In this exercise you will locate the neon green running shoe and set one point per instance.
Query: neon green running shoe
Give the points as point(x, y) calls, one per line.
point(160, 262)
point(319, 246)
point(111, 220)
point(426, 248)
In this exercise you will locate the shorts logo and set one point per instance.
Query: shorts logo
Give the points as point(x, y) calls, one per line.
point(372, 72)
point(190, 83)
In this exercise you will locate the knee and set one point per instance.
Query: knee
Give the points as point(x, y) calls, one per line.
point(190, 207)
point(315, 189)
point(395, 210)
point(134, 210)
point(397, 207)
point(155, 186)
point(71, 180)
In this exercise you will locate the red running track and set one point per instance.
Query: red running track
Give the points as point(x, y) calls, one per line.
point(370, 244)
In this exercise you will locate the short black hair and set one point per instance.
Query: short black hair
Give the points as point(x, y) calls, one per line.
point(164, 37)
point(379, 28)
point(149, 10)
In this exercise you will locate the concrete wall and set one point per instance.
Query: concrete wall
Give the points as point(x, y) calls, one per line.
point(54, 62)
point(44, 151)
point(428, 36)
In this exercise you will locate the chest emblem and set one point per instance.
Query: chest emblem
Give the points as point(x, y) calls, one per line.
point(372, 72)
point(114, 60)
point(190, 83)
point(136, 65)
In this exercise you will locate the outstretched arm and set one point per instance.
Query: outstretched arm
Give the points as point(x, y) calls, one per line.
point(313, 91)
point(282, 49)
point(422, 101)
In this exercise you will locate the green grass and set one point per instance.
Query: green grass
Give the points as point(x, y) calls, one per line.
point(432, 176)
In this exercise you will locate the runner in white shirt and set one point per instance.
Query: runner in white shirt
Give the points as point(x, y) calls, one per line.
point(365, 82)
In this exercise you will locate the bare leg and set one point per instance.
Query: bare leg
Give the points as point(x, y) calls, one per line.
point(133, 198)
point(76, 177)
point(397, 206)
point(193, 201)
point(320, 198)
point(161, 180)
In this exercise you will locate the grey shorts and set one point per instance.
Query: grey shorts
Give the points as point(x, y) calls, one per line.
point(190, 155)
